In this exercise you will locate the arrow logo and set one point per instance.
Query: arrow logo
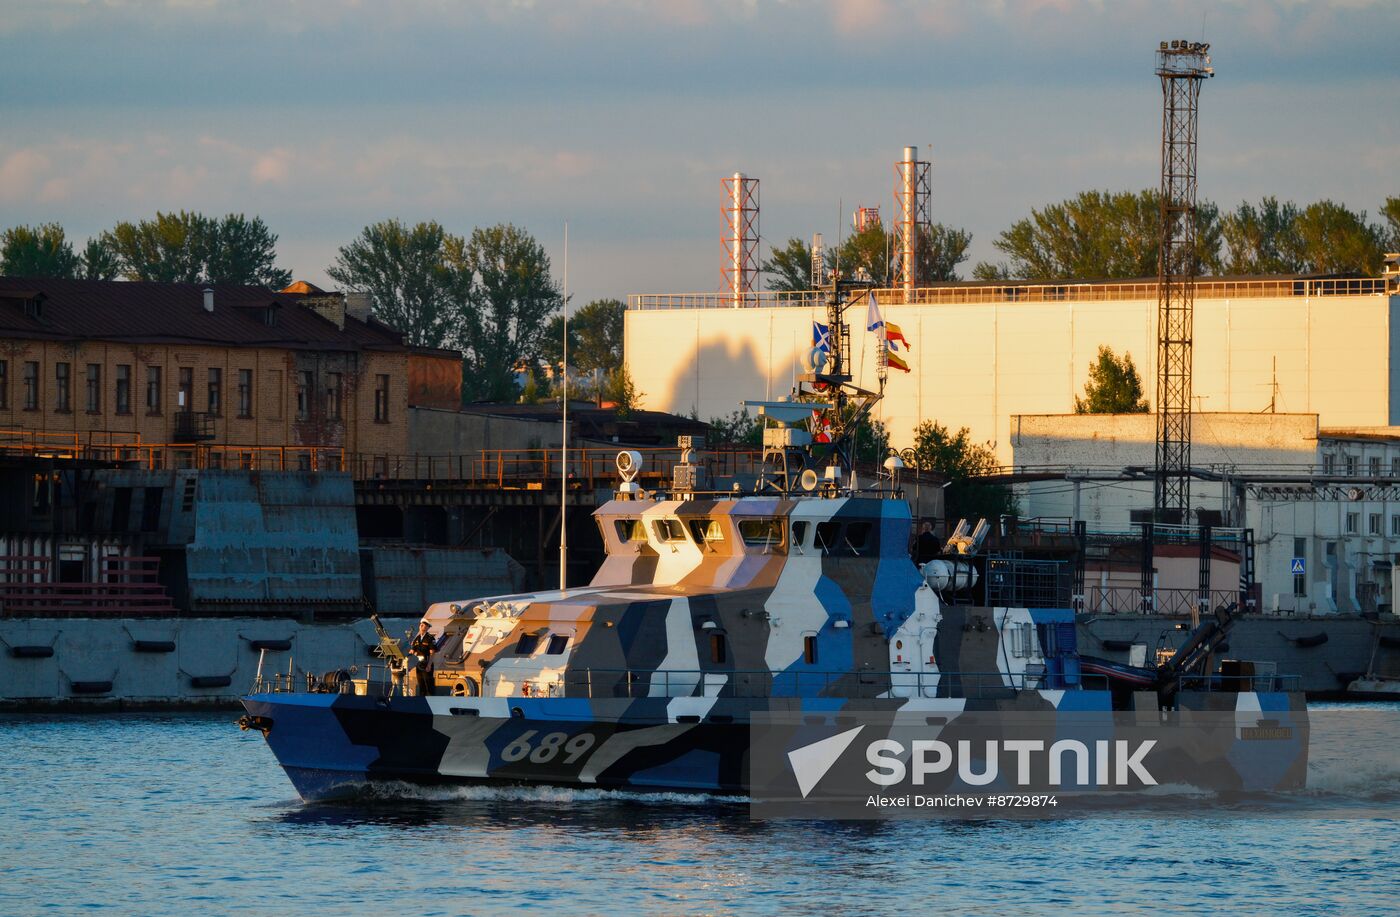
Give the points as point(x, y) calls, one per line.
point(811, 762)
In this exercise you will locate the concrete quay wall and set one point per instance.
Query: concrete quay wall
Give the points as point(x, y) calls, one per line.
point(81, 663)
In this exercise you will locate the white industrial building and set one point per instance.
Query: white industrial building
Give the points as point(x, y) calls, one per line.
point(982, 353)
point(1292, 376)
point(1324, 496)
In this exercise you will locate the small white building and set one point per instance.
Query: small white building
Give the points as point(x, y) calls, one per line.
point(1326, 497)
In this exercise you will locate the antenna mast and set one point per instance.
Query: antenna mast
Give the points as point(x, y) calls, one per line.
point(564, 436)
point(1182, 66)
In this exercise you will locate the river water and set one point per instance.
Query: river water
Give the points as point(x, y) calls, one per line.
point(183, 814)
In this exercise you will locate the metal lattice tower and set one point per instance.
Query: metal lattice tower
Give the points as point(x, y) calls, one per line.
point(740, 239)
point(912, 224)
point(1182, 67)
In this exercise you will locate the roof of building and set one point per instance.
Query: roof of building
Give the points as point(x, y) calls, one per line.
point(173, 313)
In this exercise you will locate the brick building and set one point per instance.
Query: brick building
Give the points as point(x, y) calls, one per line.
point(182, 374)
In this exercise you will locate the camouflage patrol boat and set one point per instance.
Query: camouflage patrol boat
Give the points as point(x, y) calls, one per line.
point(793, 595)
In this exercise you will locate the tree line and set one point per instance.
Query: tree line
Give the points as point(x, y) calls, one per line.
point(490, 294)
point(1100, 235)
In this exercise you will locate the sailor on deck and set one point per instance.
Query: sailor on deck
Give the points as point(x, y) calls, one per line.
point(422, 646)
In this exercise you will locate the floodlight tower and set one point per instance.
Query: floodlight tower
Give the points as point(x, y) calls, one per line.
point(912, 225)
point(1182, 67)
point(740, 239)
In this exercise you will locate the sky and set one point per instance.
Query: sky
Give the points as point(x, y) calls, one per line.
point(621, 117)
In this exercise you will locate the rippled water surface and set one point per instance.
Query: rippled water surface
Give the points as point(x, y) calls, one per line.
point(183, 814)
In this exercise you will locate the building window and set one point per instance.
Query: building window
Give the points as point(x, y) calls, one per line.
point(1395, 526)
point(185, 393)
point(381, 398)
point(63, 397)
point(152, 389)
point(94, 388)
point(1351, 466)
point(305, 381)
point(1329, 463)
point(1300, 547)
point(1353, 523)
point(4, 384)
point(216, 392)
point(1374, 525)
point(333, 393)
point(1374, 464)
point(1300, 586)
point(31, 385)
point(123, 388)
point(1395, 467)
point(245, 393)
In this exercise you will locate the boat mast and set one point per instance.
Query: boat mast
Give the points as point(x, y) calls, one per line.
point(564, 435)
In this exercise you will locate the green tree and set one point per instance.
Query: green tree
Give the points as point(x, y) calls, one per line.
point(37, 251)
point(405, 271)
point(1262, 240)
point(867, 250)
point(189, 247)
point(1114, 386)
point(1390, 212)
point(740, 428)
point(619, 388)
point(1335, 240)
point(940, 250)
point(1097, 235)
point(595, 337)
point(790, 267)
point(243, 252)
point(509, 296)
point(959, 461)
point(99, 262)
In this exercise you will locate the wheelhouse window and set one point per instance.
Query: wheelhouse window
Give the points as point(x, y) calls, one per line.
point(809, 649)
point(668, 530)
point(799, 533)
point(767, 533)
point(846, 538)
point(630, 530)
point(858, 535)
point(527, 644)
point(557, 644)
point(706, 531)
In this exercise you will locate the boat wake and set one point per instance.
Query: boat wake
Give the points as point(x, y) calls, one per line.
point(550, 795)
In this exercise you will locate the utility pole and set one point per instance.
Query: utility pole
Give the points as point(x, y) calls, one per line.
point(1182, 66)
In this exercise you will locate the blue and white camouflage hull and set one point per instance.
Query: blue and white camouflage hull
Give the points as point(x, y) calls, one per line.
point(336, 745)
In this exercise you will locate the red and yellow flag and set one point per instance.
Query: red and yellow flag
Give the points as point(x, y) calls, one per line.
point(892, 334)
point(893, 359)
